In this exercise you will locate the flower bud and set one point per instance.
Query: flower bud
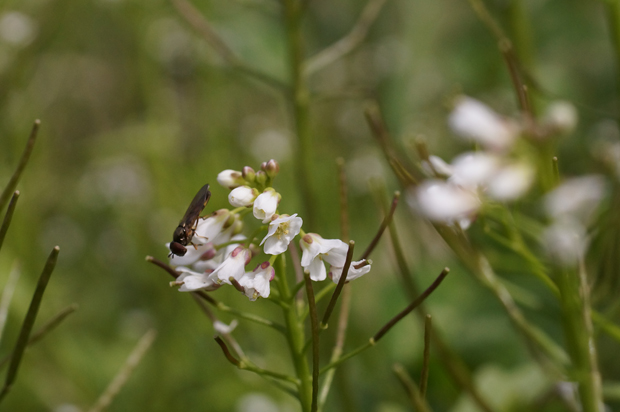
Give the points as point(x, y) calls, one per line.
point(266, 204)
point(261, 177)
point(230, 179)
point(272, 168)
point(248, 174)
point(242, 196)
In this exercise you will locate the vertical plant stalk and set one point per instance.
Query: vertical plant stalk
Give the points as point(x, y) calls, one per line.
point(343, 320)
point(300, 102)
point(8, 217)
point(125, 372)
point(415, 394)
point(31, 316)
point(7, 295)
point(345, 305)
point(314, 330)
point(428, 329)
point(613, 17)
point(574, 301)
point(508, 53)
point(295, 338)
point(10, 187)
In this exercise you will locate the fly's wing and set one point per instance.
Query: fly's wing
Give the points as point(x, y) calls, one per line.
point(196, 206)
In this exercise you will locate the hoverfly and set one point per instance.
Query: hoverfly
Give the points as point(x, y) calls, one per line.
point(184, 233)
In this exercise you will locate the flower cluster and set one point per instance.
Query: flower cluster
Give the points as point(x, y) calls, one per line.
point(456, 191)
point(221, 253)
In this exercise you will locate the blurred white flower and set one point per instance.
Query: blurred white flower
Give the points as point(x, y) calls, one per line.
point(577, 197)
point(474, 120)
point(266, 205)
point(436, 166)
point(316, 250)
point(510, 182)
point(256, 283)
point(440, 201)
point(472, 169)
point(230, 179)
point(281, 231)
point(242, 196)
point(232, 266)
point(565, 241)
point(190, 281)
point(560, 116)
point(256, 402)
point(356, 270)
point(17, 29)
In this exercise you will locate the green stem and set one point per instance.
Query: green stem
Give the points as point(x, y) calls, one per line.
point(295, 339)
point(300, 99)
point(579, 339)
point(613, 16)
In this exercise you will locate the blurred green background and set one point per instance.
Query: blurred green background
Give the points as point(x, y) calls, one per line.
point(138, 112)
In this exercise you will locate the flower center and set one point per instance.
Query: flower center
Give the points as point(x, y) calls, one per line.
point(282, 229)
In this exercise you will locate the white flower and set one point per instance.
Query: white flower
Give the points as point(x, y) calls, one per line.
point(577, 197)
point(191, 281)
point(560, 116)
point(256, 283)
point(436, 166)
point(474, 120)
point(266, 205)
point(510, 182)
point(444, 202)
point(209, 228)
point(232, 266)
point(565, 241)
point(316, 250)
point(230, 179)
point(471, 169)
point(356, 270)
point(242, 196)
point(209, 261)
point(281, 231)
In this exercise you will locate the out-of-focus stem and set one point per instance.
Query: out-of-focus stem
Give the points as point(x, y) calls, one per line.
point(8, 217)
point(23, 161)
point(428, 329)
point(125, 372)
point(613, 16)
point(28, 323)
point(415, 394)
point(574, 300)
point(454, 365)
point(300, 102)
